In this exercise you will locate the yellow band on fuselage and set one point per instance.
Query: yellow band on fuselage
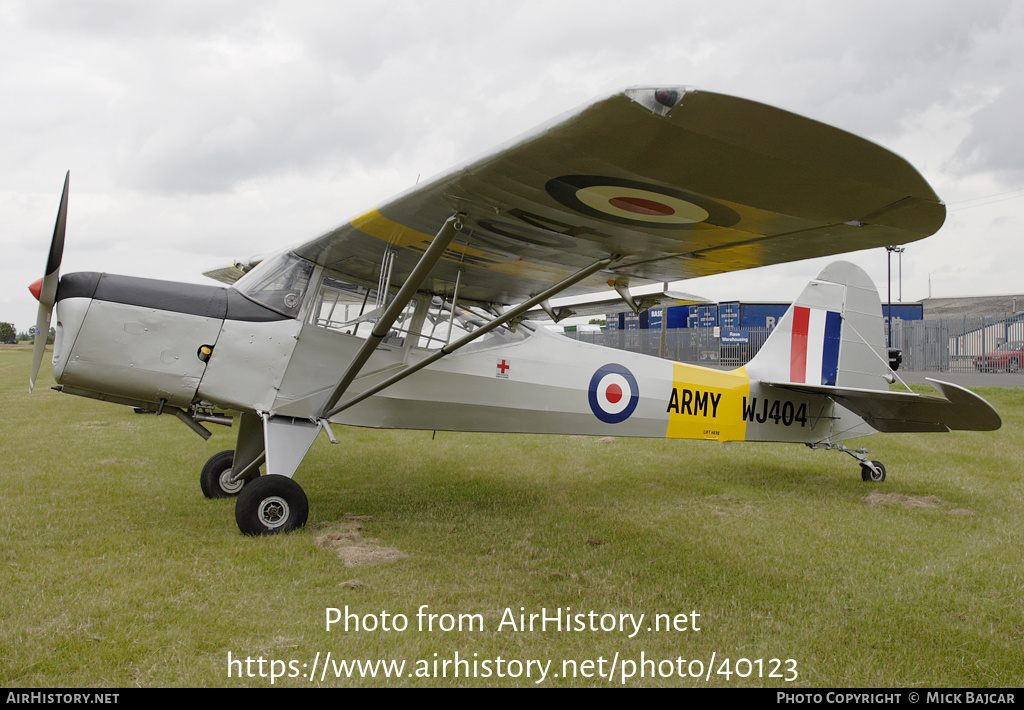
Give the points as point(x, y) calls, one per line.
point(707, 404)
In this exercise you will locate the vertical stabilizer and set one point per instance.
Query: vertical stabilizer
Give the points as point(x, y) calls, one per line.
point(831, 335)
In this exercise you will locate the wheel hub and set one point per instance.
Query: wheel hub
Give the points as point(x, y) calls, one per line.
point(273, 512)
point(228, 485)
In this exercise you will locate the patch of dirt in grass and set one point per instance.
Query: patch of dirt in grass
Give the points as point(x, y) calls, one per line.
point(128, 462)
point(345, 539)
point(105, 424)
point(876, 498)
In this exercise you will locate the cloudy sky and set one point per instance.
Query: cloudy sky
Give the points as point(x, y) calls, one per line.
point(201, 132)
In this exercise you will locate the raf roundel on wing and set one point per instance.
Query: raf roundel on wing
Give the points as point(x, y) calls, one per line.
point(638, 204)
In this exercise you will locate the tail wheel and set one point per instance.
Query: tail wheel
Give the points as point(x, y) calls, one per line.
point(872, 471)
point(271, 504)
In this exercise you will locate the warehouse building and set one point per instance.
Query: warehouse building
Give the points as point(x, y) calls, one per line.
point(937, 334)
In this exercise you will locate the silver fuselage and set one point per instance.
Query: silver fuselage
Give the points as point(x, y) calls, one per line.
point(139, 339)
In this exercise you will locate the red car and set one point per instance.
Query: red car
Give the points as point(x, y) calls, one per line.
point(1008, 356)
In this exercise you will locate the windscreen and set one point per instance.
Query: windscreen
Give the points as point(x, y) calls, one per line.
point(279, 283)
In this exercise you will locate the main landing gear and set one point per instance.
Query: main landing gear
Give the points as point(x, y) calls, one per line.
point(870, 471)
point(271, 503)
point(265, 505)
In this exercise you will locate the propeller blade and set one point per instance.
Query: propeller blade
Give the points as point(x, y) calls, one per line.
point(39, 346)
point(57, 243)
point(47, 291)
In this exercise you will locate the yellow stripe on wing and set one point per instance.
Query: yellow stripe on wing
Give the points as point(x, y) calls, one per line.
point(374, 224)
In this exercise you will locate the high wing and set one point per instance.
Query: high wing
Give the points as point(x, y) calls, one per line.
point(676, 182)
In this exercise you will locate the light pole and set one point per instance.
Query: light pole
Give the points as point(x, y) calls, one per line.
point(889, 252)
point(899, 278)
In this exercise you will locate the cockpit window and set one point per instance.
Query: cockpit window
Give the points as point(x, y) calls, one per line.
point(340, 305)
point(279, 283)
point(426, 322)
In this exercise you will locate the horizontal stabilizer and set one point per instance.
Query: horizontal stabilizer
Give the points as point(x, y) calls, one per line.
point(960, 410)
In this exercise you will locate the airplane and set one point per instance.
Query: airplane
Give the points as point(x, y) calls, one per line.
point(423, 312)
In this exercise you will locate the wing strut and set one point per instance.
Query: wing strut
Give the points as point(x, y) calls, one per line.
point(329, 410)
point(452, 226)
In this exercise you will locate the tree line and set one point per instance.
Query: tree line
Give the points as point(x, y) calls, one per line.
point(9, 335)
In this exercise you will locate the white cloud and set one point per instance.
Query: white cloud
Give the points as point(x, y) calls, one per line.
point(205, 131)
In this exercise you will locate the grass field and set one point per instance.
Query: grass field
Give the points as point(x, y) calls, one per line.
point(118, 573)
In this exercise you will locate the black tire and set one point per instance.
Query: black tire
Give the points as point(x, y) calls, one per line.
point(1012, 365)
point(872, 475)
point(270, 505)
point(216, 472)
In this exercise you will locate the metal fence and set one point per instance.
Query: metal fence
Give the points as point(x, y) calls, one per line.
point(700, 346)
point(952, 344)
point(943, 345)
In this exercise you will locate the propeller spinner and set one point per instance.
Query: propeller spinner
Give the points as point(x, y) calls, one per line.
point(45, 289)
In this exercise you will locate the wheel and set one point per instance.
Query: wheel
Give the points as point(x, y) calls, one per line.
point(1012, 365)
point(271, 504)
point(215, 480)
point(872, 471)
